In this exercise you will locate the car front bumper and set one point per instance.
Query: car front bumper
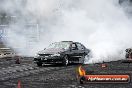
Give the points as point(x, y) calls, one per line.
point(48, 60)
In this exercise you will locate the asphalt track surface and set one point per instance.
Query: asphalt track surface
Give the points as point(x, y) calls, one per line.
point(55, 76)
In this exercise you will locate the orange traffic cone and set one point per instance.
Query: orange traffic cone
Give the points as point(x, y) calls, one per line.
point(19, 84)
point(17, 60)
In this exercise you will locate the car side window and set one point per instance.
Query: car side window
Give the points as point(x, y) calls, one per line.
point(80, 46)
point(74, 47)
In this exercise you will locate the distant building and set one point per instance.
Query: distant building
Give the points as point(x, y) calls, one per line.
point(31, 31)
point(31, 28)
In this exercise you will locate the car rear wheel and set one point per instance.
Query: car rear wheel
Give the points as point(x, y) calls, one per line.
point(65, 60)
point(39, 64)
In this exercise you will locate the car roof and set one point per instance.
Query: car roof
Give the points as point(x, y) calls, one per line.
point(66, 41)
point(70, 41)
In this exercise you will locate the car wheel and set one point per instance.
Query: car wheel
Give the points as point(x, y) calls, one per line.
point(65, 60)
point(39, 64)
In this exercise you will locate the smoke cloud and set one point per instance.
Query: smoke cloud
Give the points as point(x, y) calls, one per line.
point(101, 25)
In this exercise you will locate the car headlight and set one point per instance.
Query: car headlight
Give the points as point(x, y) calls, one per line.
point(55, 55)
point(36, 56)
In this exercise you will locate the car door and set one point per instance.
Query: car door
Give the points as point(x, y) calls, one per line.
point(74, 53)
point(81, 52)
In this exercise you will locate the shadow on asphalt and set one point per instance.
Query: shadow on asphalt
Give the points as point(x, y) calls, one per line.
point(60, 65)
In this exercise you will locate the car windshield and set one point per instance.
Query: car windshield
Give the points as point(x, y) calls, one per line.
point(59, 45)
